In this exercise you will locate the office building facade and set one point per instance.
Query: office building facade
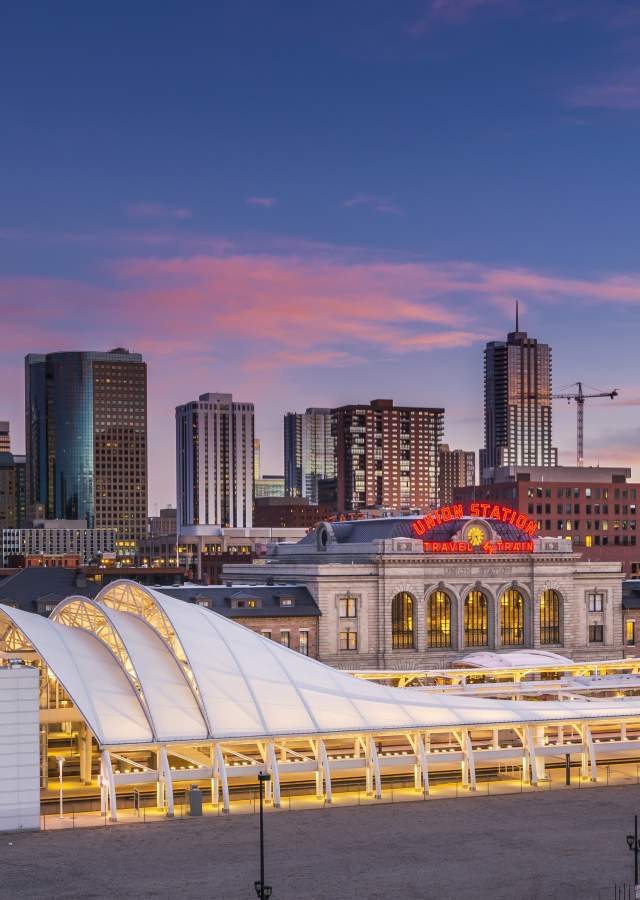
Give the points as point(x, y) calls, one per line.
point(309, 451)
point(387, 456)
point(56, 538)
point(517, 404)
point(214, 462)
point(595, 509)
point(86, 439)
point(456, 469)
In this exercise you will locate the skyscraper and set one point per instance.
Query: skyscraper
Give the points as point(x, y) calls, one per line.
point(86, 439)
point(309, 452)
point(456, 469)
point(214, 462)
point(517, 404)
point(293, 454)
point(387, 456)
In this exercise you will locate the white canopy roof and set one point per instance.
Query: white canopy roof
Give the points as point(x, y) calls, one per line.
point(143, 667)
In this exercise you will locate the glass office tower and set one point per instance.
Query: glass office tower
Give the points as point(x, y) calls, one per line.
point(86, 439)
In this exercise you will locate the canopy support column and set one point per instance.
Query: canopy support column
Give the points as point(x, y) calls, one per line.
point(373, 768)
point(421, 769)
point(107, 777)
point(468, 761)
point(165, 774)
point(326, 771)
point(271, 763)
point(219, 777)
point(588, 756)
point(84, 752)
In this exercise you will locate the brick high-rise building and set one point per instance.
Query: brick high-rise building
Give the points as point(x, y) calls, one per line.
point(456, 469)
point(5, 438)
point(595, 509)
point(387, 456)
point(215, 460)
point(86, 439)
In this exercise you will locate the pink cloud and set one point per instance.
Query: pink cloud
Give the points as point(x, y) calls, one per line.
point(157, 211)
point(621, 92)
point(380, 204)
point(266, 202)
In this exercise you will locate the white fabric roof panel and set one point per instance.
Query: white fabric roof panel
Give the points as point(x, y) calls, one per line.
point(173, 708)
point(248, 686)
point(90, 675)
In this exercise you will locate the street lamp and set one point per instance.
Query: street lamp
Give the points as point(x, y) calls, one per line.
point(60, 765)
point(632, 843)
point(262, 890)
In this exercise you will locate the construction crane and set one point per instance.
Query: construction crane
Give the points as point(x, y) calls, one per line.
point(580, 397)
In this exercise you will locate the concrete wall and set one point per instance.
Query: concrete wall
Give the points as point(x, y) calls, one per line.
point(19, 748)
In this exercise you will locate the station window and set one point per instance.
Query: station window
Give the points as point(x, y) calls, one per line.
point(439, 620)
point(303, 644)
point(348, 639)
point(476, 631)
point(511, 618)
point(402, 621)
point(630, 632)
point(596, 634)
point(285, 637)
point(596, 601)
point(266, 633)
point(550, 617)
point(347, 607)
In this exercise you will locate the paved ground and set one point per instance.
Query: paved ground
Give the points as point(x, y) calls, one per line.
point(553, 846)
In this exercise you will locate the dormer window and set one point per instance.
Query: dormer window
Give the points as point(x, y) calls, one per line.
point(287, 601)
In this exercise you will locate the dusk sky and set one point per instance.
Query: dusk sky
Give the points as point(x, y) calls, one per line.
point(316, 204)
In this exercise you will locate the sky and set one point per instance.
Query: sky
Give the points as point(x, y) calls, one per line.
point(318, 204)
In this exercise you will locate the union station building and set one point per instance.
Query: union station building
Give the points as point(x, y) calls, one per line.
point(414, 592)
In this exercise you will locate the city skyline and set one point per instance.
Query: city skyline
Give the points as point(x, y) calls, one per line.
point(261, 233)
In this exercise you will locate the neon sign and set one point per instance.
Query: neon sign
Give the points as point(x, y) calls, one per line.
point(493, 511)
point(489, 547)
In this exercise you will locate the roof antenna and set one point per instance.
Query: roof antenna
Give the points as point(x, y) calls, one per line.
point(517, 317)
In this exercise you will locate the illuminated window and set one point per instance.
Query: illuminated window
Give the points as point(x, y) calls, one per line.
point(285, 638)
point(347, 607)
point(476, 630)
point(587, 540)
point(630, 632)
point(303, 645)
point(550, 617)
point(439, 620)
point(402, 621)
point(266, 634)
point(348, 639)
point(512, 618)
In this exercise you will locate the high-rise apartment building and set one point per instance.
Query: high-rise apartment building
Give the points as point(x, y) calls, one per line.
point(309, 447)
point(5, 438)
point(387, 456)
point(8, 491)
point(257, 467)
point(215, 459)
point(456, 469)
point(517, 404)
point(86, 439)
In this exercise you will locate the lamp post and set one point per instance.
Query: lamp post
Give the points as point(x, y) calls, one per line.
point(262, 890)
point(632, 842)
point(60, 765)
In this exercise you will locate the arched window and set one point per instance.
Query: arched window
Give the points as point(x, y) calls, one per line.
point(511, 618)
point(402, 621)
point(549, 617)
point(439, 620)
point(476, 620)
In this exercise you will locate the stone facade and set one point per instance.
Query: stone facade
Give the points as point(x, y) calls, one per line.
point(370, 574)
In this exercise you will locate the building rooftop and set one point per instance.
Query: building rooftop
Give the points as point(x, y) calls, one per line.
point(557, 474)
point(232, 600)
point(33, 588)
